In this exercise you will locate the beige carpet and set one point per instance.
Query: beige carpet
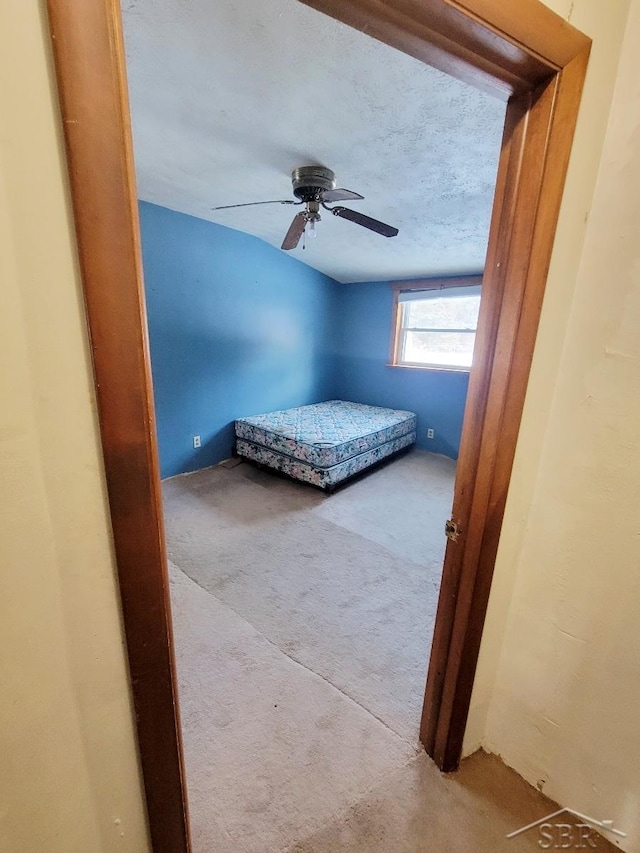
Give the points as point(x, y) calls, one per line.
point(272, 750)
point(345, 585)
point(302, 628)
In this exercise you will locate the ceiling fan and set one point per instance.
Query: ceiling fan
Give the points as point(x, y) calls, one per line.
point(314, 186)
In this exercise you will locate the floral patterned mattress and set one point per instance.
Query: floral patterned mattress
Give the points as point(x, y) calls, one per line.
point(323, 477)
point(327, 434)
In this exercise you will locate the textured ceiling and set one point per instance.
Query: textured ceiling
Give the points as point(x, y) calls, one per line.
point(228, 96)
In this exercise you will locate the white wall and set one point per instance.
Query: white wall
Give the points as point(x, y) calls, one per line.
point(558, 684)
point(69, 780)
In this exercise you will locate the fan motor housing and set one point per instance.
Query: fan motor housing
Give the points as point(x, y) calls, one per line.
point(309, 182)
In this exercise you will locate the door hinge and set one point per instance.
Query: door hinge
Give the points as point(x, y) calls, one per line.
point(452, 530)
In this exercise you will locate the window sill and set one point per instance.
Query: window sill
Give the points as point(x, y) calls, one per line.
point(430, 367)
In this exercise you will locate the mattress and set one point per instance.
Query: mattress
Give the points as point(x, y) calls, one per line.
point(323, 477)
point(326, 434)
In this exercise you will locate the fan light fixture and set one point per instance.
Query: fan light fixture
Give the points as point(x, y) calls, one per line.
point(314, 186)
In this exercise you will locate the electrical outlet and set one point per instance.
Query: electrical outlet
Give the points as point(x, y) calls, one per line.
point(431, 433)
point(196, 442)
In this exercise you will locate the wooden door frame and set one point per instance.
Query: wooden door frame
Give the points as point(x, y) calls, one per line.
point(521, 52)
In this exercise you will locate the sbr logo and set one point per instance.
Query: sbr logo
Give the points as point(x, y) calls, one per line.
point(567, 836)
point(582, 835)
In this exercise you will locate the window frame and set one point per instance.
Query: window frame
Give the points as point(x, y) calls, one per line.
point(423, 284)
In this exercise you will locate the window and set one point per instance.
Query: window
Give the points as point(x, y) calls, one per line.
point(436, 327)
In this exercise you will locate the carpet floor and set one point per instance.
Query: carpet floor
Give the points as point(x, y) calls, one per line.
point(345, 586)
point(302, 628)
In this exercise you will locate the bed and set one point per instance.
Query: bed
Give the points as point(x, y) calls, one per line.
point(326, 443)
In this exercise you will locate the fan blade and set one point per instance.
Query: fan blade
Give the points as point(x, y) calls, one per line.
point(365, 221)
point(251, 203)
point(340, 195)
point(293, 235)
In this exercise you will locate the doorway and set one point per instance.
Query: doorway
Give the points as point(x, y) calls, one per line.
point(525, 54)
point(344, 587)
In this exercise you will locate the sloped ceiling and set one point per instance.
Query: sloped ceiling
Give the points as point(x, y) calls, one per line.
point(228, 96)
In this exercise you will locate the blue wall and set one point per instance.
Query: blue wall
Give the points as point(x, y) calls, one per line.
point(362, 375)
point(236, 327)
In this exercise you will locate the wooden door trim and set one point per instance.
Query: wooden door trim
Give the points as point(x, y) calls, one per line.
point(502, 47)
point(538, 135)
point(520, 51)
point(89, 59)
